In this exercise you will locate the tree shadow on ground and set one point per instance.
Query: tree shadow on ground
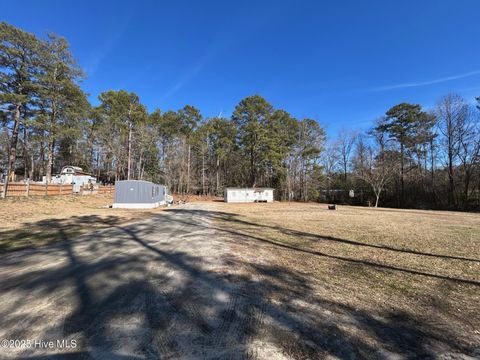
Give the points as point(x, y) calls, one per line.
point(316, 237)
point(228, 217)
point(135, 293)
point(49, 231)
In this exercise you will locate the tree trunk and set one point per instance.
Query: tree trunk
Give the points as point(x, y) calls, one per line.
point(466, 192)
point(305, 181)
point(217, 176)
point(451, 183)
point(129, 147)
point(12, 157)
point(252, 168)
point(377, 195)
point(140, 165)
point(51, 146)
point(25, 152)
point(402, 172)
point(432, 170)
point(42, 159)
point(12, 151)
point(203, 173)
point(31, 174)
point(49, 161)
point(188, 168)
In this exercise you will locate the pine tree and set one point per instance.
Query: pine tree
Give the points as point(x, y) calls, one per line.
point(19, 60)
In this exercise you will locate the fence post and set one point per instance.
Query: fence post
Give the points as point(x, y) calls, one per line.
point(5, 187)
point(28, 187)
point(46, 187)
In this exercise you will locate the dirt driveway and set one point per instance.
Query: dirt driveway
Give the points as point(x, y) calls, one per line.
point(159, 288)
point(175, 286)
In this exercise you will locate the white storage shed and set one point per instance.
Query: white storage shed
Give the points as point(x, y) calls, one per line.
point(248, 195)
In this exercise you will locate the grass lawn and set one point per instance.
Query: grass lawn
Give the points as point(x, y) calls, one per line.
point(37, 221)
point(418, 265)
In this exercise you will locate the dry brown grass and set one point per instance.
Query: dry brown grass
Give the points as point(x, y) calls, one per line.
point(449, 233)
point(195, 198)
point(37, 221)
point(425, 264)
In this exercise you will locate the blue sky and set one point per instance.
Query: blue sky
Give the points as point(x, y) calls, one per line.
point(343, 63)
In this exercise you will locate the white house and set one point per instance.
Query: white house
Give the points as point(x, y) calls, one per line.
point(247, 195)
point(73, 175)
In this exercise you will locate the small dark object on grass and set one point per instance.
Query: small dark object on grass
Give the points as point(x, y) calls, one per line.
point(332, 207)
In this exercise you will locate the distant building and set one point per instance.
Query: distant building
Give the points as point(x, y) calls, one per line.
point(248, 195)
point(140, 194)
point(74, 175)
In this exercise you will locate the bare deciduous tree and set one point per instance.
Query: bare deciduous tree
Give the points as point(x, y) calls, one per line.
point(345, 142)
point(451, 112)
point(376, 168)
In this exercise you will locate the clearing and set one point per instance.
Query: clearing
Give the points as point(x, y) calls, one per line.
point(215, 280)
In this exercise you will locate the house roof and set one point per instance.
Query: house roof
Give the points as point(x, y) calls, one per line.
point(77, 170)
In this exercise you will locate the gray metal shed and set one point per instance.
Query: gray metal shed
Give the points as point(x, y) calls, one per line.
point(139, 194)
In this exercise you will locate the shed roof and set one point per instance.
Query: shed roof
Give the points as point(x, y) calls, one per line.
point(137, 181)
point(257, 188)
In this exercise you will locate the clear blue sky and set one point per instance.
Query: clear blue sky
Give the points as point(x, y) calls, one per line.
point(343, 63)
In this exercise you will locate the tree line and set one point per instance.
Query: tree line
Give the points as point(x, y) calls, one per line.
point(409, 158)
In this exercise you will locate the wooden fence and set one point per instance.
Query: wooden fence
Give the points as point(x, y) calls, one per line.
point(100, 189)
point(106, 189)
point(36, 189)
